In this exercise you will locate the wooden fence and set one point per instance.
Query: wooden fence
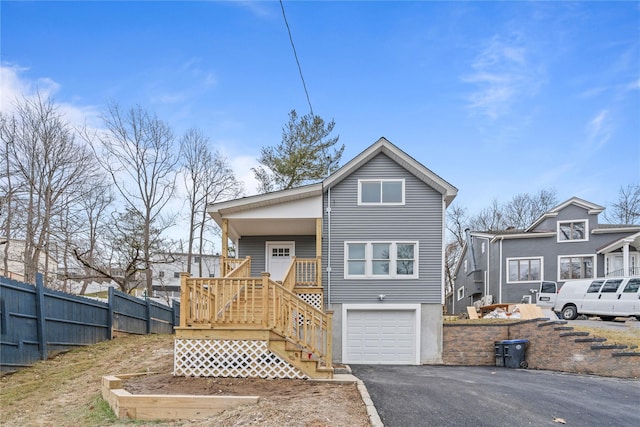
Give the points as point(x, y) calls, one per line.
point(36, 322)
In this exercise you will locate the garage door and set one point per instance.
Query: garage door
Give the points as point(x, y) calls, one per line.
point(381, 336)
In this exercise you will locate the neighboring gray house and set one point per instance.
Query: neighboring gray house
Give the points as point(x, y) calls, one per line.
point(566, 243)
point(376, 229)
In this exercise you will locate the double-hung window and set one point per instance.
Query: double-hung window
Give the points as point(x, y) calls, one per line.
point(371, 260)
point(381, 192)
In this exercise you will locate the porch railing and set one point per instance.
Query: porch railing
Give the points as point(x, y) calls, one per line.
point(302, 272)
point(235, 266)
point(259, 302)
point(633, 271)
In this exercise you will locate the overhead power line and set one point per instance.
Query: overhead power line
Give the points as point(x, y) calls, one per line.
point(295, 54)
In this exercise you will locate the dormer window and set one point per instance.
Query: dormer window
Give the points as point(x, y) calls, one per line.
point(381, 192)
point(573, 231)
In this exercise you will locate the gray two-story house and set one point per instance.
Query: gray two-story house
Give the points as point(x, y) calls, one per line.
point(566, 243)
point(365, 245)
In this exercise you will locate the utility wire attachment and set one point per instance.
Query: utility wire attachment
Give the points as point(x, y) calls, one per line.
point(295, 54)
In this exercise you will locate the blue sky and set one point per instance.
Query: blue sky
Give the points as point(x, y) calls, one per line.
point(498, 98)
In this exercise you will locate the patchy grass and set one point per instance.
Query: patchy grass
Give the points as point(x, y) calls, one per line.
point(65, 390)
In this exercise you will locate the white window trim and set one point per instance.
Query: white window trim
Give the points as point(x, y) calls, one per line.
point(541, 258)
point(586, 231)
point(368, 260)
point(595, 266)
point(411, 307)
point(360, 181)
point(460, 293)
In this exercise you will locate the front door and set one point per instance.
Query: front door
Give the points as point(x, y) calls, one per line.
point(279, 256)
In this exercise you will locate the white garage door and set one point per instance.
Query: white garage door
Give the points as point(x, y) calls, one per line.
point(381, 336)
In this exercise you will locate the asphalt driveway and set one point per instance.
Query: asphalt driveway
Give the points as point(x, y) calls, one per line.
point(486, 396)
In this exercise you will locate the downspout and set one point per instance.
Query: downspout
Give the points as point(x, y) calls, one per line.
point(500, 273)
point(329, 247)
point(443, 285)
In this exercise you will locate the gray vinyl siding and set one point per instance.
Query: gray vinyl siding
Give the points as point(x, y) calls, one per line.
point(419, 219)
point(493, 263)
point(255, 247)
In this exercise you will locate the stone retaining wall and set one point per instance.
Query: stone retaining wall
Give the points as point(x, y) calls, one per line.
point(552, 346)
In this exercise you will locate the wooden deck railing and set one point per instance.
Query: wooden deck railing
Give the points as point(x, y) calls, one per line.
point(236, 267)
point(302, 272)
point(255, 301)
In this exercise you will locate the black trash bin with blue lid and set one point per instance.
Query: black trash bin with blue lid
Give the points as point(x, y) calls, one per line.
point(513, 353)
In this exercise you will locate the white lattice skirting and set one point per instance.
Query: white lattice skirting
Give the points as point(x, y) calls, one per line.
point(230, 358)
point(313, 299)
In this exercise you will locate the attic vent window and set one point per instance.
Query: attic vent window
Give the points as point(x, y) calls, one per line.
point(381, 192)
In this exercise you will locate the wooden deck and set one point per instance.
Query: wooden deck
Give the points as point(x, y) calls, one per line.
point(287, 315)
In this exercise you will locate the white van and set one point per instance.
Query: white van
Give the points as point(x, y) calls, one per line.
point(547, 294)
point(606, 298)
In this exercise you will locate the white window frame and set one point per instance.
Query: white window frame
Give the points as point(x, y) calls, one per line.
point(460, 293)
point(381, 203)
point(508, 260)
point(368, 260)
point(595, 266)
point(586, 231)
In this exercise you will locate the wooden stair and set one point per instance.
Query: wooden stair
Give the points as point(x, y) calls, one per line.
point(297, 356)
point(248, 305)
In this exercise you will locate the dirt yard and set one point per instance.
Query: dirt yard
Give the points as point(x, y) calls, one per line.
point(65, 391)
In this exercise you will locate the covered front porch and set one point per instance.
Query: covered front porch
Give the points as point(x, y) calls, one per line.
point(622, 257)
point(264, 317)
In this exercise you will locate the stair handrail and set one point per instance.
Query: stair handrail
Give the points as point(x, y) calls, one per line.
point(236, 267)
point(297, 320)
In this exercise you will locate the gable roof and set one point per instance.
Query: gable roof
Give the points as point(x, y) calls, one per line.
point(591, 208)
point(416, 168)
point(381, 146)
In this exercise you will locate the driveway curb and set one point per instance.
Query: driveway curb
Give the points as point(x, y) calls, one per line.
point(374, 418)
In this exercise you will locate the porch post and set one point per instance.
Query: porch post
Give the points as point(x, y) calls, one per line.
point(625, 259)
point(185, 297)
point(319, 252)
point(329, 349)
point(225, 247)
point(265, 299)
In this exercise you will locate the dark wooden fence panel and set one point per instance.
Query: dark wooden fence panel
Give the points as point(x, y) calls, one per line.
point(36, 321)
point(129, 313)
point(19, 345)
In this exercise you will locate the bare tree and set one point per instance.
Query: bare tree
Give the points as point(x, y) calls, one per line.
point(208, 178)
point(138, 154)
point(93, 206)
point(44, 156)
point(627, 209)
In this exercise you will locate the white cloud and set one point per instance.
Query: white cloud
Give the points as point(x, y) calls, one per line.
point(14, 86)
point(242, 168)
point(502, 73)
point(599, 129)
